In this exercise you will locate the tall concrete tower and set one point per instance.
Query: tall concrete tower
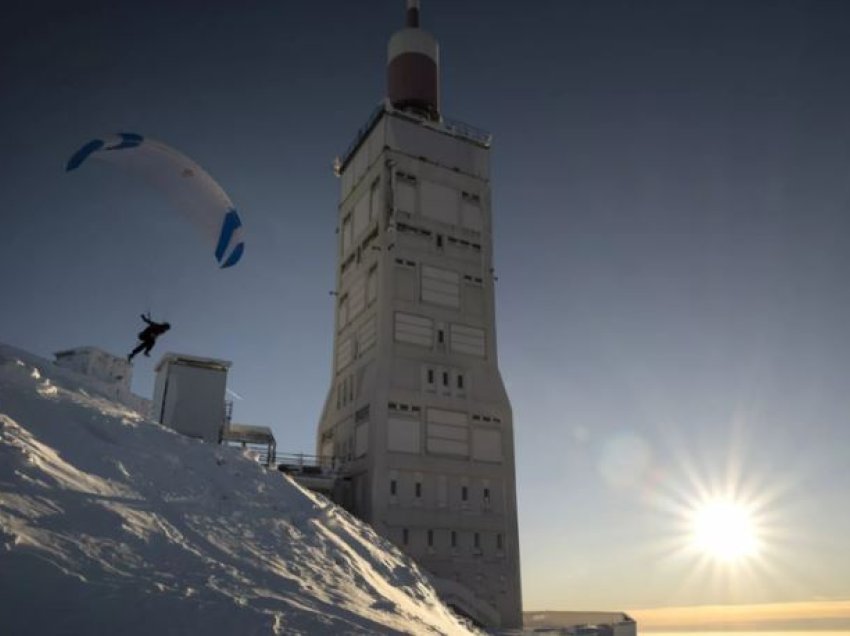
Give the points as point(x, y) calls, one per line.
point(417, 413)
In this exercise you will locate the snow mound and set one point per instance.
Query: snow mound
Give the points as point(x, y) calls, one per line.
point(109, 522)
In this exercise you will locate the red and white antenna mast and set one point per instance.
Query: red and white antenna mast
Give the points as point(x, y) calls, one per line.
point(413, 67)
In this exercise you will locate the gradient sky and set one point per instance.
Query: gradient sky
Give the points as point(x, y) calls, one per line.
point(671, 187)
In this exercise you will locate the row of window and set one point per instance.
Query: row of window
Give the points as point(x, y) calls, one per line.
point(345, 391)
point(357, 344)
point(423, 331)
point(476, 542)
point(439, 287)
point(444, 491)
point(438, 202)
point(364, 211)
point(361, 294)
point(441, 380)
point(444, 432)
point(441, 436)
point(439, 240)
point(415, 408)
point(400, 406)
point(430, 200)
point(417, 492)
point(359, 254)
point(431, 375)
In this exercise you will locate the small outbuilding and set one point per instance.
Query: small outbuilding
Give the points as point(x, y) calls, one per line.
point(98, 364)
point(112, 373)
point(189, 395)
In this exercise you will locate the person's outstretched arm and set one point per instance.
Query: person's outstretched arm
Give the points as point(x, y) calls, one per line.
point(147, 319)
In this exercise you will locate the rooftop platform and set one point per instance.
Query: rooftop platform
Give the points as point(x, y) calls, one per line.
point(446, 126)
point(192, 361)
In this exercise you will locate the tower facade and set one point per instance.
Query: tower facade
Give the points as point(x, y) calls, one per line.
point(417, 414)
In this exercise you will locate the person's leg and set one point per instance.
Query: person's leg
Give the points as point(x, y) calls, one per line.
point(135, 351)
point(148, 346)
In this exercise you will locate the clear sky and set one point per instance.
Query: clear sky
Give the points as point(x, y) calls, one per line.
point(671, 187)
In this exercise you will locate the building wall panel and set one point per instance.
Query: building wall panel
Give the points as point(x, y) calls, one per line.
point(487, 445)
point(440, 286)
point(403, 435)
point(468, 340)
point(413, 329)
point(439, 202)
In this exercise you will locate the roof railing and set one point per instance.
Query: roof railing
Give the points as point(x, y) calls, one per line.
point(467, 131)
point(451, 126)
point(358, 138)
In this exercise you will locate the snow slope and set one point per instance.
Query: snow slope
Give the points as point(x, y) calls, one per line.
point(110, 523)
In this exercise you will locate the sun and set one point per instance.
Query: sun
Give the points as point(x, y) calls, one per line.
point(724, 530)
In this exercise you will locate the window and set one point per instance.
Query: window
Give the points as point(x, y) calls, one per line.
point(418, 489)
point(367, 335)
point(440, 286)
point(499, 541)
point(477, 540)
point(460, 380)
point(464, 493)
point(360, 214)
point(362, 414)
point(445, 378)
point(343, 311)
point(439, 240)
point(361, 439)
point(393, 487)
point(447, 432)
point(405, 194)
point(413, 329)
point(356, 298)
point(486, 495)
point(346, 234)
point(430, 538)
point(454, 538)
point(405, 536)
point(374, 199)
point(441, 336)
point(372, 284)
point(471, 216)
point(468, 340)
point(430, 376)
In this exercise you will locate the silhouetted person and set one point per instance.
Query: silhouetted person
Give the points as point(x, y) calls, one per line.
point(147, 338)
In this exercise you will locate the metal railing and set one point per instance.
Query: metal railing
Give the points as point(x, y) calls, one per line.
point(265, 454)
point(361, 134)
point(451, 126)
point(302, 463)
point(467, 131)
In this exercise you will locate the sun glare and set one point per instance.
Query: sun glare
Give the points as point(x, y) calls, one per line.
point(724, 530)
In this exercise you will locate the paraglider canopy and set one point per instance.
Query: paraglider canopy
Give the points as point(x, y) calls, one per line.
point(194, 193)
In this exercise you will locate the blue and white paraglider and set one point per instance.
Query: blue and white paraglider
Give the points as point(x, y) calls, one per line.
point(194, 193)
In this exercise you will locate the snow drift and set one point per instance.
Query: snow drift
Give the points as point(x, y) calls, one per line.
point(109, 522)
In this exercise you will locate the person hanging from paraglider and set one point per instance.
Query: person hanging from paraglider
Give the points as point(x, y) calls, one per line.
point(148, 336)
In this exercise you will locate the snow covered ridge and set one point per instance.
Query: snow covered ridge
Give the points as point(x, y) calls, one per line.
point(111, 523)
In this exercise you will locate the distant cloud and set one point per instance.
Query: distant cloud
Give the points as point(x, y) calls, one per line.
point(810, 615)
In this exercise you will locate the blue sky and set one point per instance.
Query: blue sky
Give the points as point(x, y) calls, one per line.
point(671, 199)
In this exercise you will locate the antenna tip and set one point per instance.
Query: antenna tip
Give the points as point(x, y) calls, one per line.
point(412, 16)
